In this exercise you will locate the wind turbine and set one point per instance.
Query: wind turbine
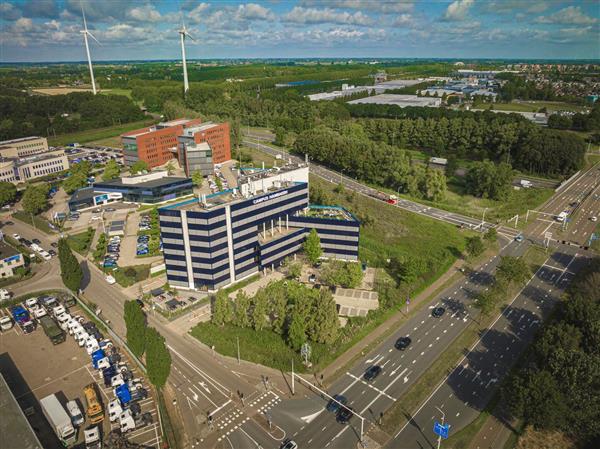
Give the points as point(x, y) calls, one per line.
point(182, 34)
point(86, 33)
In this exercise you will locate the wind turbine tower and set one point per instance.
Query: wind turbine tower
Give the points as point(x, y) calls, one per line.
point(182, 35)
point(86, 33)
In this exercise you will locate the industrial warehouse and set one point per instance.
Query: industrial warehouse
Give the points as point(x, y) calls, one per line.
point(216, 240)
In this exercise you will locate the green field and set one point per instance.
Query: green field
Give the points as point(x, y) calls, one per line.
point(40, 223)
point(124, 92)
point(81, 242)
point(532, 106)
point(258, 157)
point(92, 135)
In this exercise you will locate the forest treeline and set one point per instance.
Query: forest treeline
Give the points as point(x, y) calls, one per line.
point(24, 115)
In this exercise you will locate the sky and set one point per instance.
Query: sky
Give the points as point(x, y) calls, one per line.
point(49, 30)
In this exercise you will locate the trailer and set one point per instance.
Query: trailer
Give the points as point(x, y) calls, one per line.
point(58, 419)
point(52, 331)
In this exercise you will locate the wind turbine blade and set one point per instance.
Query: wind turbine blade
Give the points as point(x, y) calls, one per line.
point(92, 36)
point(189, 35)
point(83, 14)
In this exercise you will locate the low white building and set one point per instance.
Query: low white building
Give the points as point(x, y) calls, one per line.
point(400, 100)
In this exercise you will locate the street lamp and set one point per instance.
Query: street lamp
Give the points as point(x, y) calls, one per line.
point(443, 420)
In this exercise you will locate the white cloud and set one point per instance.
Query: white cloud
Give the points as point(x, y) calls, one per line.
point(52, 25)
point(198, 14)
point(458, 10)
point(403, 20)
point(8, 11)
point(510, 6)
point(144, 13)
point(23, 25)
point(578, 32)
point(253, 11)
point(327, 15)
point(571, 15)
point(397, 6)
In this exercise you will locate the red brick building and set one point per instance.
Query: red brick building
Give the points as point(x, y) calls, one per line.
point(157, 144)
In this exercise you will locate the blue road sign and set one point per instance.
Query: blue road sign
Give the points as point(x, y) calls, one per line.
point(441, 429)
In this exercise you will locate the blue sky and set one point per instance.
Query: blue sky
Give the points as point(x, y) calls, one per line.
point(48, 30)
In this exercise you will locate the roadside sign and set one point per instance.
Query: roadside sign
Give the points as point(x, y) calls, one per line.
point(441, 429)
point(548, 235)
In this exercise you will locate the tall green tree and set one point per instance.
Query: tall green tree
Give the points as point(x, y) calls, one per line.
point(197, 179)
point(158, 358)
point(490, 235)
point(135, 323)
point(71, 271)
point(8, 192)
point(474, 246)
point(312, 246)
point(512, 271)
point(260, 310)
point(35, 199)
point(223, 309)
point(325, 324)
point(170, 168)
point(242, 310)
point(111, 170)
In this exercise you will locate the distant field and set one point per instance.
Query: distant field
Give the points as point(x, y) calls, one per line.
point(113, 142)
point(95, 135)
point(534, 106)
point(61, 90)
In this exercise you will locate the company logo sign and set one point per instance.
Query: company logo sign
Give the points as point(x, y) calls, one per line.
point(269, 197)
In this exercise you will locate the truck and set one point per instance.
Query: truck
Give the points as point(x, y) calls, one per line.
point(95, 411)
point(128, 422)
point(99, 359)
point(391, 199)
point(562, 216)
point(22, 318)
point(525, 183)
point(52, 331)
point(4, 294)
point(58, 419)
point(92, 438)
point(131, 391)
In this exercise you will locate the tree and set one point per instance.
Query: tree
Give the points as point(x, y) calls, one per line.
point(312, 246)
point(158, 358)
point(296, 333)
point(434, 185)
point(407, 270)
point(197, 179)
point(488, 180)
point(294, 270)
point(325, 323)
point(219, 183)
point(111, 170)
point(344, 274)
point(512, 270)
point(486, 301)
point(170, 168)
point(35, 199)
point(474, 246)
point(71, 271)
point(8, 193)
point(138, 167)
point(223, 309)
point(491, 235)
point(74, 182)
point(260, 310)
point(242, 309)
point(135, 323)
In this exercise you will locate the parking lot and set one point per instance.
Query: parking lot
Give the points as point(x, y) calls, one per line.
point(93, 154)
point(38, 368)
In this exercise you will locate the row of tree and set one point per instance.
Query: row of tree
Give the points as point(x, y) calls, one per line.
point(577, 121)
point(350, 151)
point(58, 114)
point(289, 308)
point(70, 270)
point(556, 384)
point(142, 339)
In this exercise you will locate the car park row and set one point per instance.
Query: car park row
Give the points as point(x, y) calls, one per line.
point(129, 396)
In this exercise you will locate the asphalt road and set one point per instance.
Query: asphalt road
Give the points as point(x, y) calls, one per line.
point(315, 428)
point(470, 386)
point(431, 212)
point(581, 199)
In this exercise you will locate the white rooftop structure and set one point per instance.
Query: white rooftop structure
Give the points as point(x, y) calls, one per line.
point(400, 100)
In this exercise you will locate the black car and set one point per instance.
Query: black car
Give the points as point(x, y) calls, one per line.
point(438, 312)
point(344, 415)
point(26, 242)
point(335, 405)
point(36, 241)
point(402, 343)
point(372, 372)
point(140, 303)
point(54, 245)
point(52, 252)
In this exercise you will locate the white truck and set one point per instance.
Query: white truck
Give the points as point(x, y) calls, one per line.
point(562, 216)
point(92, 438)
point(128, 422)
point(4, 294)
point(525, 183)
point(58, 419)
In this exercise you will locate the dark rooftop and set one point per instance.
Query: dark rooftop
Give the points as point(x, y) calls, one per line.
point(146, 184)
point(6, 250)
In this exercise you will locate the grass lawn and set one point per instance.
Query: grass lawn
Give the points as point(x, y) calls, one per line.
point(127, 276)
point(258, 157)
point(40, 223)
point(81, 242)
point(125, 92)
point(92, 135)
point(113, 142)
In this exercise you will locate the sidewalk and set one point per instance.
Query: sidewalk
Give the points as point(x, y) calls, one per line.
point(329, 373)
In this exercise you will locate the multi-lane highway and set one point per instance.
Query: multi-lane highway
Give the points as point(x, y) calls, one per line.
point(469, 387)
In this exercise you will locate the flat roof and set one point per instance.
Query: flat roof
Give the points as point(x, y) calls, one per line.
point(398, 100)
point(147, 184)
point(39, 157)
point(21, 139)
point(330, 212)
point(85, 193)
point(6, 250)
point(14, 426)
